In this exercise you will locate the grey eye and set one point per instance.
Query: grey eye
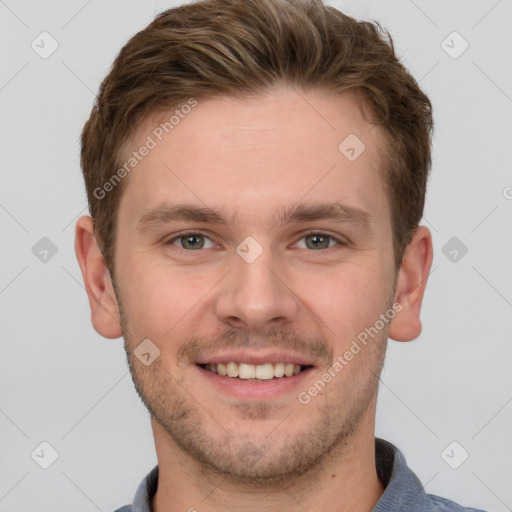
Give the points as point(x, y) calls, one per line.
point(317, 241)
point(192, 241)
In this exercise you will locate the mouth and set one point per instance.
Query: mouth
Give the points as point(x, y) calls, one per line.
point(255, 372)
point(248, 381)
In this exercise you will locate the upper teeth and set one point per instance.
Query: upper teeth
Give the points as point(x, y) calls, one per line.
point(255, 371)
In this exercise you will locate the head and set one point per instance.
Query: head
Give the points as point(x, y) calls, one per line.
point(248, 124)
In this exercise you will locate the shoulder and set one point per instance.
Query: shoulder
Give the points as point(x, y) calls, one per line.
point(144, 494)
point(438, 504)
point(403, 490)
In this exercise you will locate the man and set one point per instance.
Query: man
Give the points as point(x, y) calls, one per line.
point(256, 174)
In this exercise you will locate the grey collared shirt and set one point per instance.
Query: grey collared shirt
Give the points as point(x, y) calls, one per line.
point(403, 491)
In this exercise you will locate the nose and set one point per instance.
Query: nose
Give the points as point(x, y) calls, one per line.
point(256, 296)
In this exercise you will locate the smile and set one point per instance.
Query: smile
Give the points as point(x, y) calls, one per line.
point(245, 381)
point(254, 372)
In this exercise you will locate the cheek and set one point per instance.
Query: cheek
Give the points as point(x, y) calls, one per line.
point(157, 297)
point(349, 300)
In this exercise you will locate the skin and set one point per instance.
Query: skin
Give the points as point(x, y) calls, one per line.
point(253, 157)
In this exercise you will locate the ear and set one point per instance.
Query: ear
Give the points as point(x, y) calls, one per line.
point(102, 297)
point(410, 287)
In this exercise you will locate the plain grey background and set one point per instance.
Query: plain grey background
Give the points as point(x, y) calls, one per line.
point(444, 397)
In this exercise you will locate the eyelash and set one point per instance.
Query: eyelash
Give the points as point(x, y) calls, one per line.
point(304, 235)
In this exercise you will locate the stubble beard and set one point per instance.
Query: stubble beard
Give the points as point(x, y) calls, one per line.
point(276, 459)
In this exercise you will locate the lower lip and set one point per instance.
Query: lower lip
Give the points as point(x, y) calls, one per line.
point(266, 389)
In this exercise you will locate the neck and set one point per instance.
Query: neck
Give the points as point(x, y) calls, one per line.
point(345, 480)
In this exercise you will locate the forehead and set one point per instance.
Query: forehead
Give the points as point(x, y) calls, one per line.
point(255, 154)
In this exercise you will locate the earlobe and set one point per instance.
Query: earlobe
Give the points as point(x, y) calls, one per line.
point(102, 297)
point(411, 283)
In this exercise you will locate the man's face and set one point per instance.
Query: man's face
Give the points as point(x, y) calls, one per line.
point(254, 286)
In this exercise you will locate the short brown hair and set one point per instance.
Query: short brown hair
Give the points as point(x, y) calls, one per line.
point(241, 47)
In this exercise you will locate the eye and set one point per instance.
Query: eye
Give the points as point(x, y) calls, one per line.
point(191, 241)
point(318, 241)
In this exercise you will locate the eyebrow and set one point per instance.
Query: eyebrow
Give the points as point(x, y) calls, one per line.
point(167, 213)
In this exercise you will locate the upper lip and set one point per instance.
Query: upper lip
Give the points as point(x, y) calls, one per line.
point(254, 357)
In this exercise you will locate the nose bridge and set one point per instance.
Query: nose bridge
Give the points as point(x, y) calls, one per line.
point(253, 293)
